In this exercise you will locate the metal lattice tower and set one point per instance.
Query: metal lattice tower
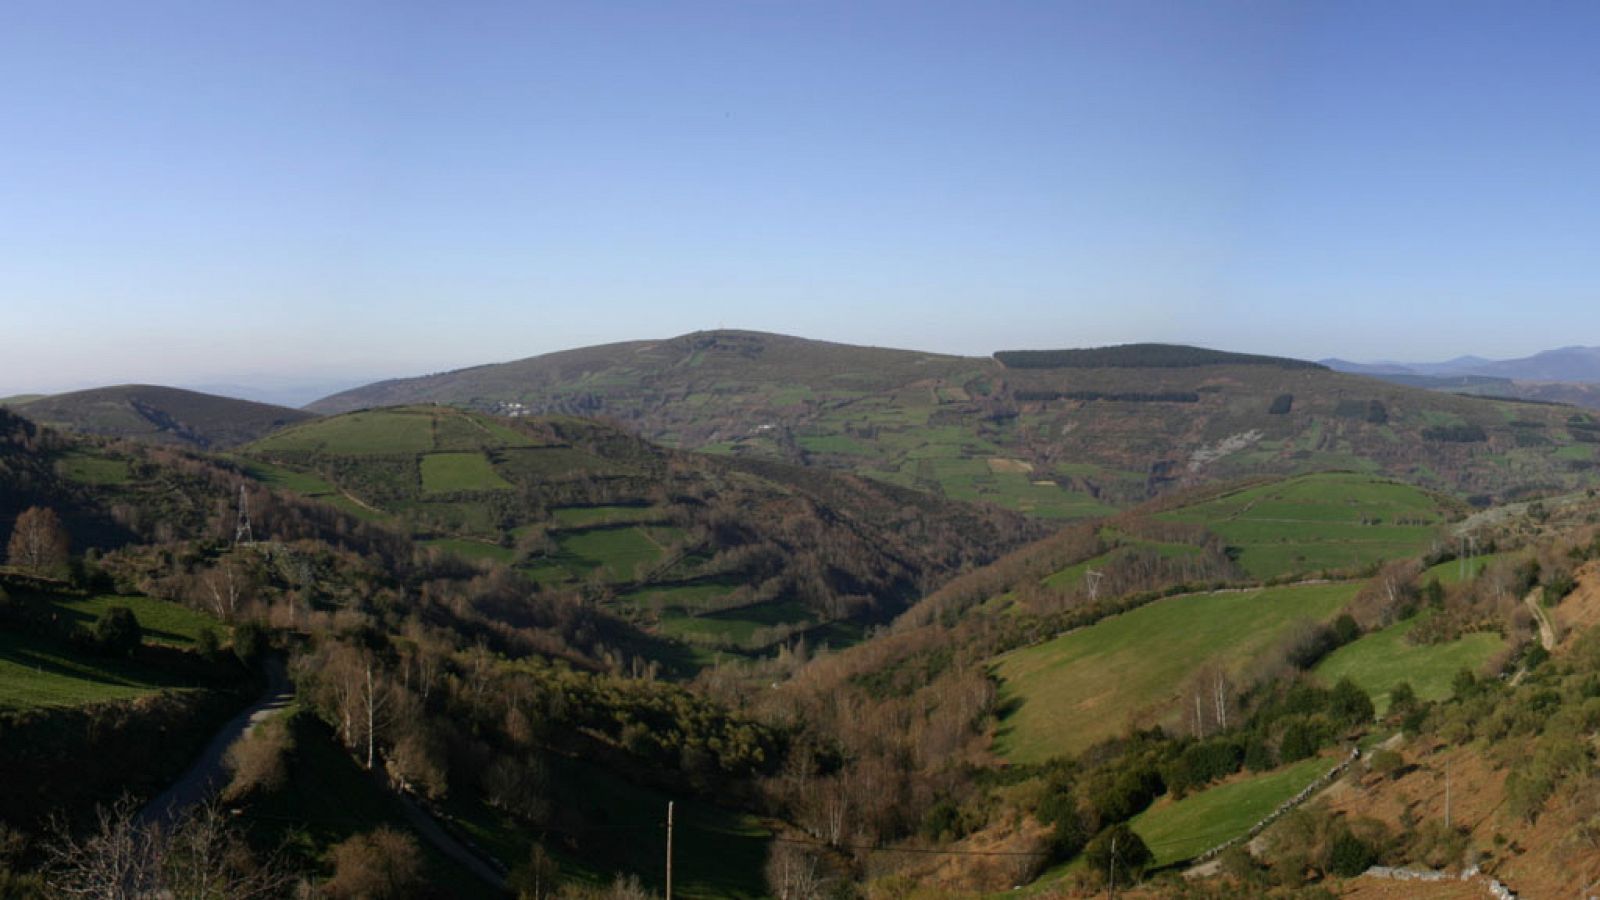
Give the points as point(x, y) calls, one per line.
point(241, 530)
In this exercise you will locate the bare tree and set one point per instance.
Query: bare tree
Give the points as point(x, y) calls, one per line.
point(203, 858)
point(226, 589)
point(39, 542)
point(118, 859)
point(793, 872)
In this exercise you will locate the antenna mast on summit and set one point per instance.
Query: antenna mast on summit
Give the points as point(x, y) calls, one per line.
point(241, 531)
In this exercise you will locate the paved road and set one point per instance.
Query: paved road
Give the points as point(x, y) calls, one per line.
point(208, 773)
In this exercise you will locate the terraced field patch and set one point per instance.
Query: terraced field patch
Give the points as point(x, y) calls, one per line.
point(451, 472)
point(1379, 661)
point(1457, 571)
point(36, 672)
point(1321, 522)
point(373, 433)
point(162, 621)
point(88, 468)
point(1180, 830)
point(736, 626)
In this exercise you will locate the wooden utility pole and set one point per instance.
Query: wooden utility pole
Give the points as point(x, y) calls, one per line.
point(669, 850)
point(1111, 870)
point(1447, 795)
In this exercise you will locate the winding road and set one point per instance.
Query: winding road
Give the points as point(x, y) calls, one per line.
point(1547, 632)
point(208, 773)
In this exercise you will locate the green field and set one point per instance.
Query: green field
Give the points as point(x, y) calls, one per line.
point(1182, 830)
point(444, 473)
point(976, 481)
point(163, 622)
point(86, 468)
point(1069, 692)
point(37, 672)
point(736, 626)
point(1320, 522)
point(308, 484)
point(371, 433)
point(1456, 570)
point(1379, 661)
point(834, 443)
point(678, 596)
point(619, 553)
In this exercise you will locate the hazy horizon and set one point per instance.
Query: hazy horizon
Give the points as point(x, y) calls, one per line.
point(301, 195)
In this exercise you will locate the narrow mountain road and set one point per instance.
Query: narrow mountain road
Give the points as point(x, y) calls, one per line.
point(436, 834)
point(208, 773)
point(1547, 632)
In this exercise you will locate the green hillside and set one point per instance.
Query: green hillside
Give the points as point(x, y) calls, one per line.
point(717, 553)
point(1065, 694)
point(1058, 434)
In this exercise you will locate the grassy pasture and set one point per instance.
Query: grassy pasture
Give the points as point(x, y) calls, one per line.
point(1180, 830)
point(1456, 571)
point(308, 484)
point(678, 596)
point(834, 443)
point(737, 626)
point(88, 468)
point(974, 481)
point(1069, 692)
point(36, 672)
point(450, 472)
point(370, 433)
point(1324, 521)
point(618, 552)
point(163, 622)
point(1379, 661)
point(458, 432)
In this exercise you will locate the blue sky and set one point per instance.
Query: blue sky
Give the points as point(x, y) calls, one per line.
point(211, 192)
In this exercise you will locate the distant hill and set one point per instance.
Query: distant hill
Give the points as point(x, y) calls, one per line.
point(1141, 356)
point(161, 415)
point(1572, 364)
point(1064, 443)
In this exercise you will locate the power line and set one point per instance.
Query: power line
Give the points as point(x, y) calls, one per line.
point(918, 850)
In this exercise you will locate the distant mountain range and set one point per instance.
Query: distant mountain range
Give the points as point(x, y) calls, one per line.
point(1565, 375)
point(1580, 365)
